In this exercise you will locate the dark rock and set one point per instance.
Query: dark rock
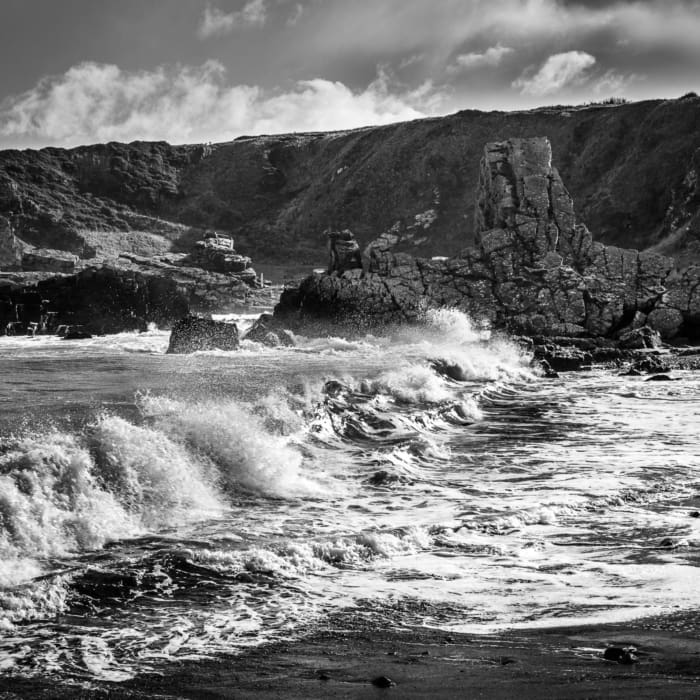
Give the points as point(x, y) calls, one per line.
point(333, 388)
point(631, 372)
point(76, 333)
point(547, 370)
point(564, 359)
point(452, 370)
point(640, 338)
point(623, 655)
point(695, 514)
point(323, 676)
point(215, 252)
point(266, 331)
point(383, 682)
point(194, 333)
point(102, 299)
point(650, 365)
point(382, 478)
point(534, 271)
point(343, 251)
point(660, 378)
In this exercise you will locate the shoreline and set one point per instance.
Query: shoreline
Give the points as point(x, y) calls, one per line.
point(344, 655)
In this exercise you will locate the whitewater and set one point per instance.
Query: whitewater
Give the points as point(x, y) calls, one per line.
point(158, 508)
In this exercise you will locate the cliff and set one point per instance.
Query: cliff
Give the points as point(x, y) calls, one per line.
point(631, 169)
point(534, 269)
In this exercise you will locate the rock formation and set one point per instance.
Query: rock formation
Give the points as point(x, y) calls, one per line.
point(215, 252)
point(264, 330)
point(194, 333)
point(534, 269)
point(343, 251)
point(125, 292)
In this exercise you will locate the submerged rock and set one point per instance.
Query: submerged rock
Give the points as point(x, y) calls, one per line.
point(383, 682)
point(194, 333)
point(623, 655)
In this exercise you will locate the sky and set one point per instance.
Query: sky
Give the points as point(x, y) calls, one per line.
point(191, 71)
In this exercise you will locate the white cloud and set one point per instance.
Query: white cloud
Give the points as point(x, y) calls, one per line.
point(296, 15)
point(613, 83)
point(557, 72)
point(491, 57)
point(214, 22)
point(94, 102)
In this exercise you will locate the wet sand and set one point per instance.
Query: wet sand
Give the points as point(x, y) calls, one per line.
point(342, 660)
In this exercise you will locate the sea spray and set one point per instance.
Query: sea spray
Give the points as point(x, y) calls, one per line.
point(154, 477)
point(232, 438)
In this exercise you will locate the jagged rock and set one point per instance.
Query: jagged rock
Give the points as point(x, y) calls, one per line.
point(535, 270)
point(343, 251)
point(215, 252)
point(650, 365)
point(76, 333)
point(564, 359)
point(264, 330)
point(194, 333)
point(103, 299)
point(639, 338)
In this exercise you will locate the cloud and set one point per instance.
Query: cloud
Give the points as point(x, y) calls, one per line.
point(557, 72)
point(214, 22)
point(296, 15)
point(94, 102)
point(613, 83)
point(491, 57)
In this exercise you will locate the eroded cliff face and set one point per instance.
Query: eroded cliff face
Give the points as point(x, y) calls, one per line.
point(629, 167)
point(533, 270)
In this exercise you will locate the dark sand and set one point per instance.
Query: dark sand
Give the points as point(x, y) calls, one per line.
point(341, 660)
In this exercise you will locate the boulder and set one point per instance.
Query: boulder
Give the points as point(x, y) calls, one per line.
point(194, 333)
point(563, 359)
point(640, 338)
point(343, 251)
point(266, 331)
point(666, 321)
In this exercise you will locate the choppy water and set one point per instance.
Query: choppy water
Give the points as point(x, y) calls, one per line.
point(159, 507)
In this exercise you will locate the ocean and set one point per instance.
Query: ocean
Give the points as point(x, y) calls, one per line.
point(164, 508)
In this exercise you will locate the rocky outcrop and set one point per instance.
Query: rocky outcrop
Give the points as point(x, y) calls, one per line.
point(264, 330)
point(215, 252)
point(194, 333)
point(122, 295)
point(343, 251)
point(534, 269)
point(629, 168)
